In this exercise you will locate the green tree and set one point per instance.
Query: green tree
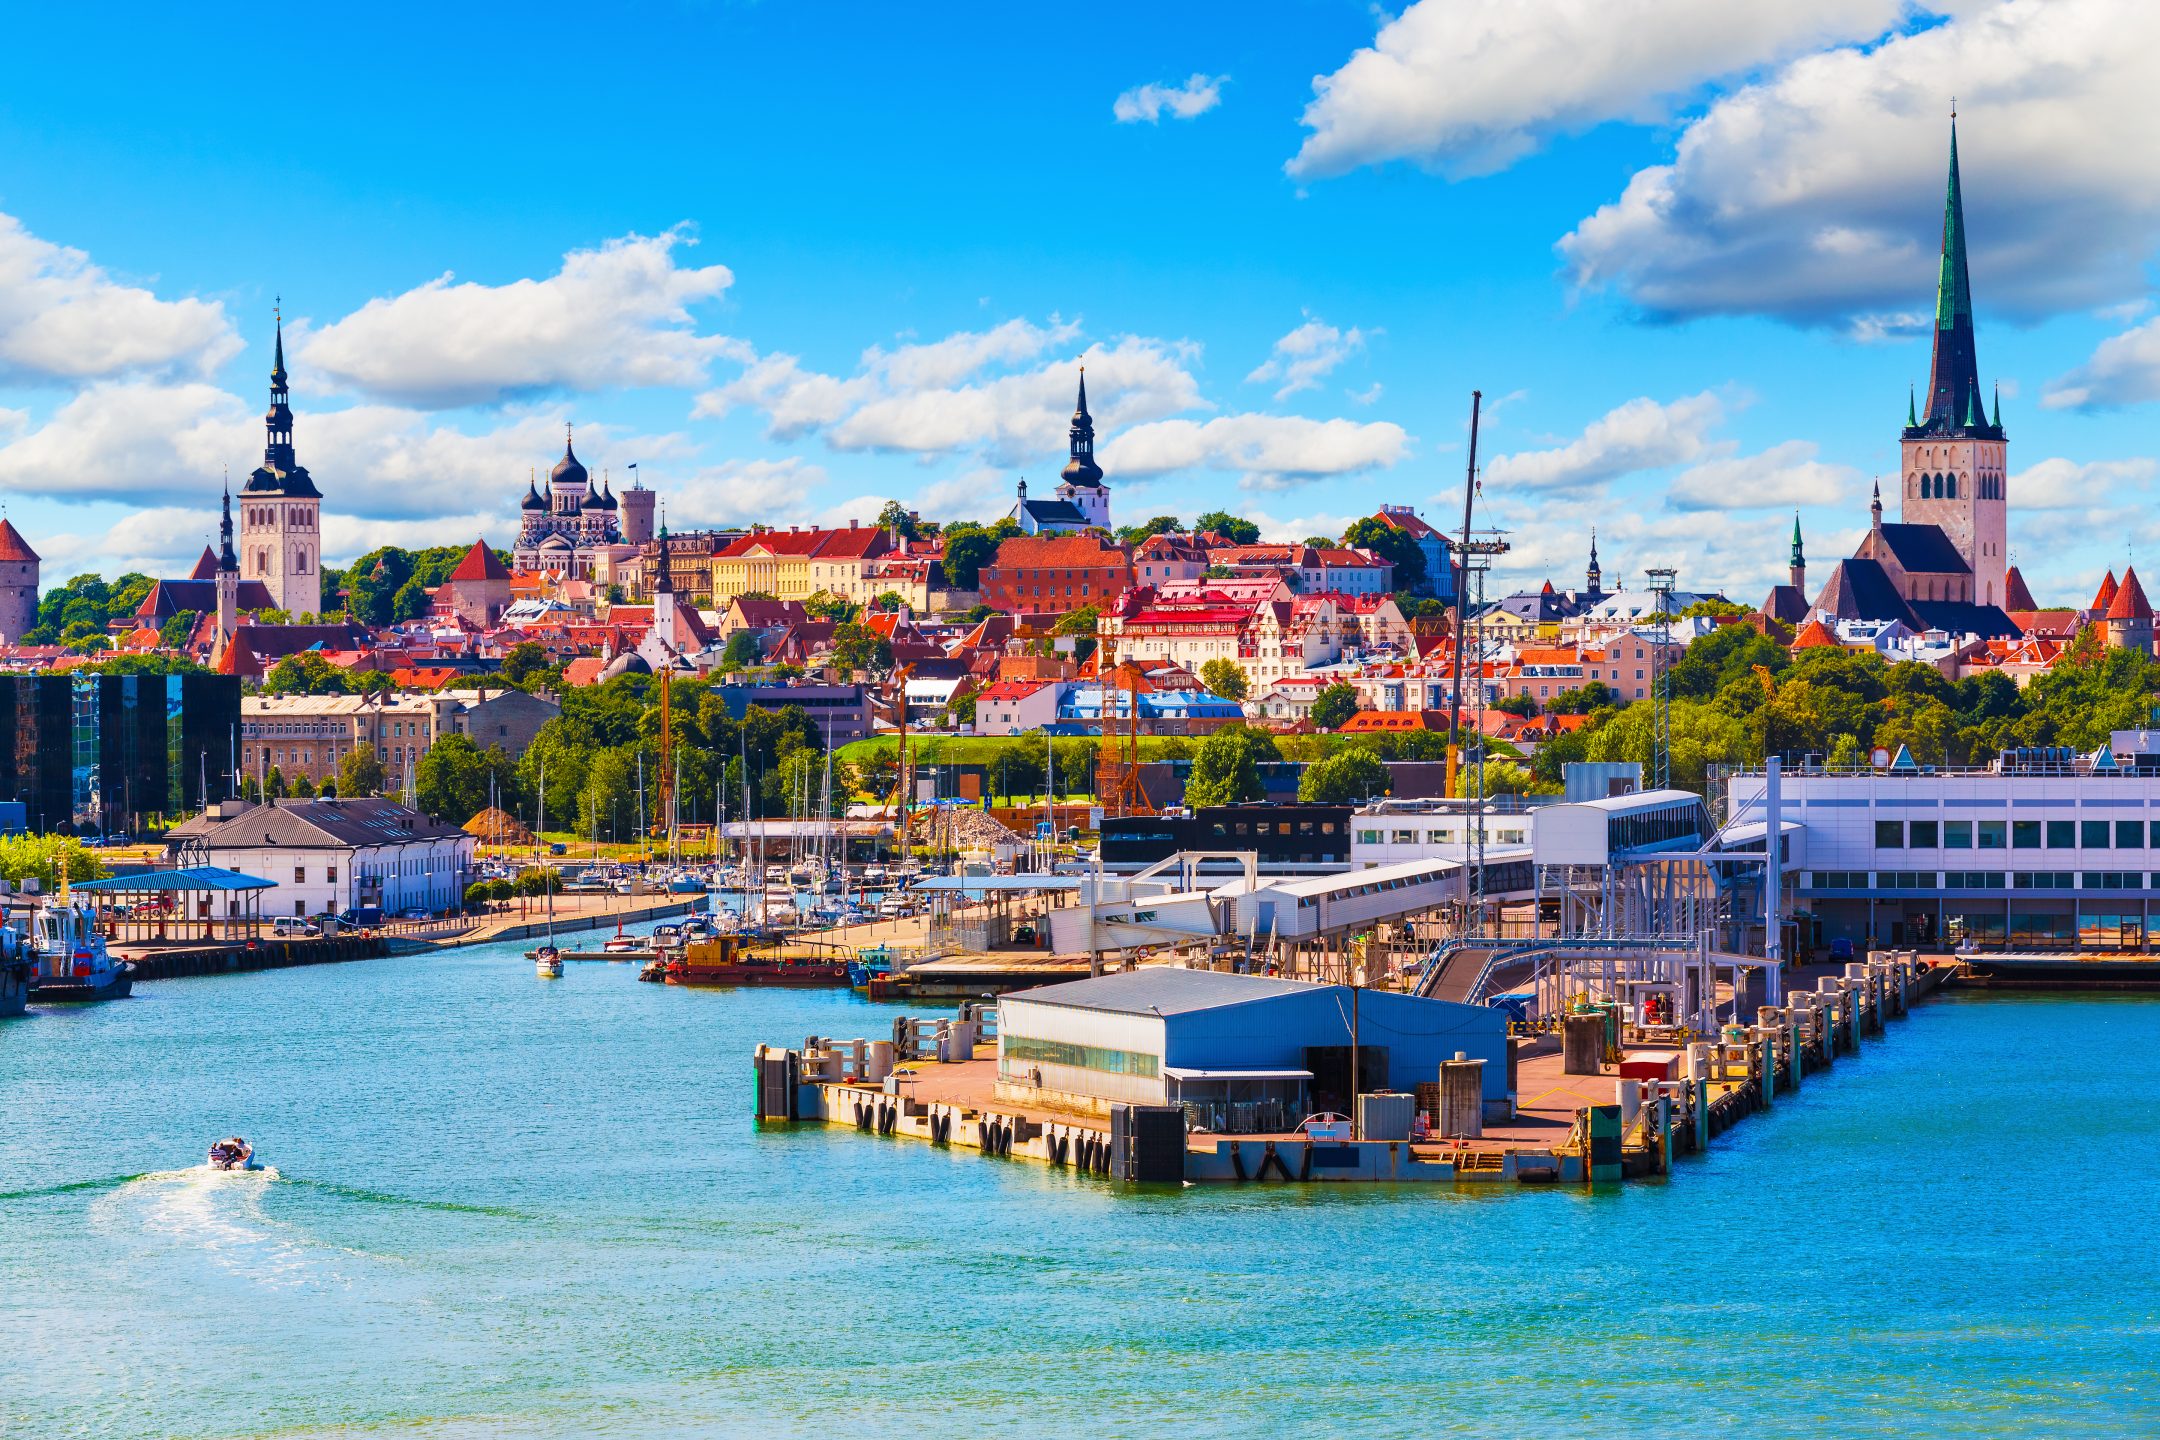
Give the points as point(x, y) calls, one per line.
point(1160, 525)
point(1334, 705)
point(306, 673)
point(43, 857)
point(360, 772)
point(372, 584)
point(1226, 771)
point(1080, 625)
point(827, 606)
point(899, 518)
point(1596, 695)
point(522, 661)
point(451, 782)
point(741, 652)
point(1701, 736)
point(1398, 547)
point(857, 649)
point(174, 632)
point(1348, 777)
point(888, 601)
point(1519, 705)
point(969, 547)
point(1234, 528)
point(1225, 677)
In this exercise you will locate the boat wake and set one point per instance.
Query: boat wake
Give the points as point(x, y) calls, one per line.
point(220, 1215)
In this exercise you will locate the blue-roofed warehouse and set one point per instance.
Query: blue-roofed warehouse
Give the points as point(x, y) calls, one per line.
point(1163, 1035)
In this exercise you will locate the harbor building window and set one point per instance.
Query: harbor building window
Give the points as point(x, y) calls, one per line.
point(2041, 932)
point(1972, 880)
point(1889, 834)
point(1957, 835)
point(2046, 879)
point(2094, 834)
point(1905, 880)
point(1923, 835)
point(2025, 834)
point(299, 874)
point(2062, 834)
point(1988, 834)
point(2105, 930)
point(2129, 834)
point(2114, 880)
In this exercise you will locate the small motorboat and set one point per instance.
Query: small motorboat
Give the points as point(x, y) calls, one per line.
point(233, 1153)
point(623, 945)
point(547, 962)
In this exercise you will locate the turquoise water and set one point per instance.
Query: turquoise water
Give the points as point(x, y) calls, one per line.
point(502, 1206)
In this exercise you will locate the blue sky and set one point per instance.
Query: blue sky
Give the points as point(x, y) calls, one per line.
point(794, 259)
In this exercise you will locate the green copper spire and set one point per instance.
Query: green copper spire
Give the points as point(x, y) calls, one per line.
point(1912, 417)
point(1998, 407)
point(1797, 558)
point(1954, 377)
point(1953, 289)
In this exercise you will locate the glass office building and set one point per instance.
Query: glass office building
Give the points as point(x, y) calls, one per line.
point(107, 754)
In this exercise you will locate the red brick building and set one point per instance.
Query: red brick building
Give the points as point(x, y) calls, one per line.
point(1055, 574)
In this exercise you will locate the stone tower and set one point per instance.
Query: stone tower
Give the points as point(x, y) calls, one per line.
point(18, 585)
point(1796, 562)
point(281, 510)
point(1955, 467)
point(637, 514)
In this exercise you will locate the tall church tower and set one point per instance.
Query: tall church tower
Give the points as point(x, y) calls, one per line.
point(281, 510)
point(1956, 474)
point(1081, 481)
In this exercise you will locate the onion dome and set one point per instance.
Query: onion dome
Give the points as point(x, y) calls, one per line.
point(568, 471)
point(532, 500)
point(604, 500)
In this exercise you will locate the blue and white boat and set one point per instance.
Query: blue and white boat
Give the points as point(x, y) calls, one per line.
point(69, 958)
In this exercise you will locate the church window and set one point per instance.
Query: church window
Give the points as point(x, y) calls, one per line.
point(1953, 485)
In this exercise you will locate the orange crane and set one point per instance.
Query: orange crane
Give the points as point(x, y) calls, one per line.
point(1117, 763)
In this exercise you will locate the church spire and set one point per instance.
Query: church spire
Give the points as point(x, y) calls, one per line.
point(227, 560)
point(1081, 469)
point(1594, 578)
point(1796, 564)
point(1874, 509)
point(277, 422)
point(1954, 375)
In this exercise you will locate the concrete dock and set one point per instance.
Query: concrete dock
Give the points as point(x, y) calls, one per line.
point(1623, 1114)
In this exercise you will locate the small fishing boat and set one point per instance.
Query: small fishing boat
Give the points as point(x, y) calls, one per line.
point(624, 945)
point(729, 961)
point(874, 963)
point(547, 961)
point(233, 1153)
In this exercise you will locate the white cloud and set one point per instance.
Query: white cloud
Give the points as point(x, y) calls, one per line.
point(64, 319)
point(1194, 98)
point(124, 440)
point(1369, 395)
point(1304, 356)
point(2059, 484)
point(613, 317)
point(1269, 452)
point(740, 492)
point(1815, 196)
point(1468, 87)
point(1640, 435)
point(936, 399)
point(1297, 527)
point(2124, 370)
point(1781, 477)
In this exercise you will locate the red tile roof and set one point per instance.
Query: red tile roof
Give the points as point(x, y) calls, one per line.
point(2130, 602)
point(1814, 635)
point(13, 546)
point(480, 564)
point(2106, 597)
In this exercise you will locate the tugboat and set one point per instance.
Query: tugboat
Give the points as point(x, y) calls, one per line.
point(233, 1153)
point(71, 962)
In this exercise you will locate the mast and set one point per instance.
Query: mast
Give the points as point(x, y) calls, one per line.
point(1462, 574)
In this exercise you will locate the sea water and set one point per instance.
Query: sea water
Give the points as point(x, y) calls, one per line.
point(498, 1205)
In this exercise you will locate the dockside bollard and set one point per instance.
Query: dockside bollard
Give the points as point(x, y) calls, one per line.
point(1698, 1064)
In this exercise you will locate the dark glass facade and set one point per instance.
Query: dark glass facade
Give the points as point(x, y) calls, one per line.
point(110, 753)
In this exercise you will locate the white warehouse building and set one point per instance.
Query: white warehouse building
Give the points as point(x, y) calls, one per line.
point(327, 856)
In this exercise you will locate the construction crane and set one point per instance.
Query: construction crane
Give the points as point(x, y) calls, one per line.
point(1117, 763)
point(902, 787)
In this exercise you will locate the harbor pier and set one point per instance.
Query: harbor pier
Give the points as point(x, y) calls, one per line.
point(1592, 1099)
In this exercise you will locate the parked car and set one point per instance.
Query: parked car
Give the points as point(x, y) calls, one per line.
point(291, 927)
point(361, 917)
point(415, 912)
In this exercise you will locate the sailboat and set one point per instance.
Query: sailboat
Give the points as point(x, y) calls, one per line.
point(547, 960)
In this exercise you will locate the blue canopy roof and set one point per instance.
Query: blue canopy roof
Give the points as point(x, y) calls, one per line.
point(201, 877)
